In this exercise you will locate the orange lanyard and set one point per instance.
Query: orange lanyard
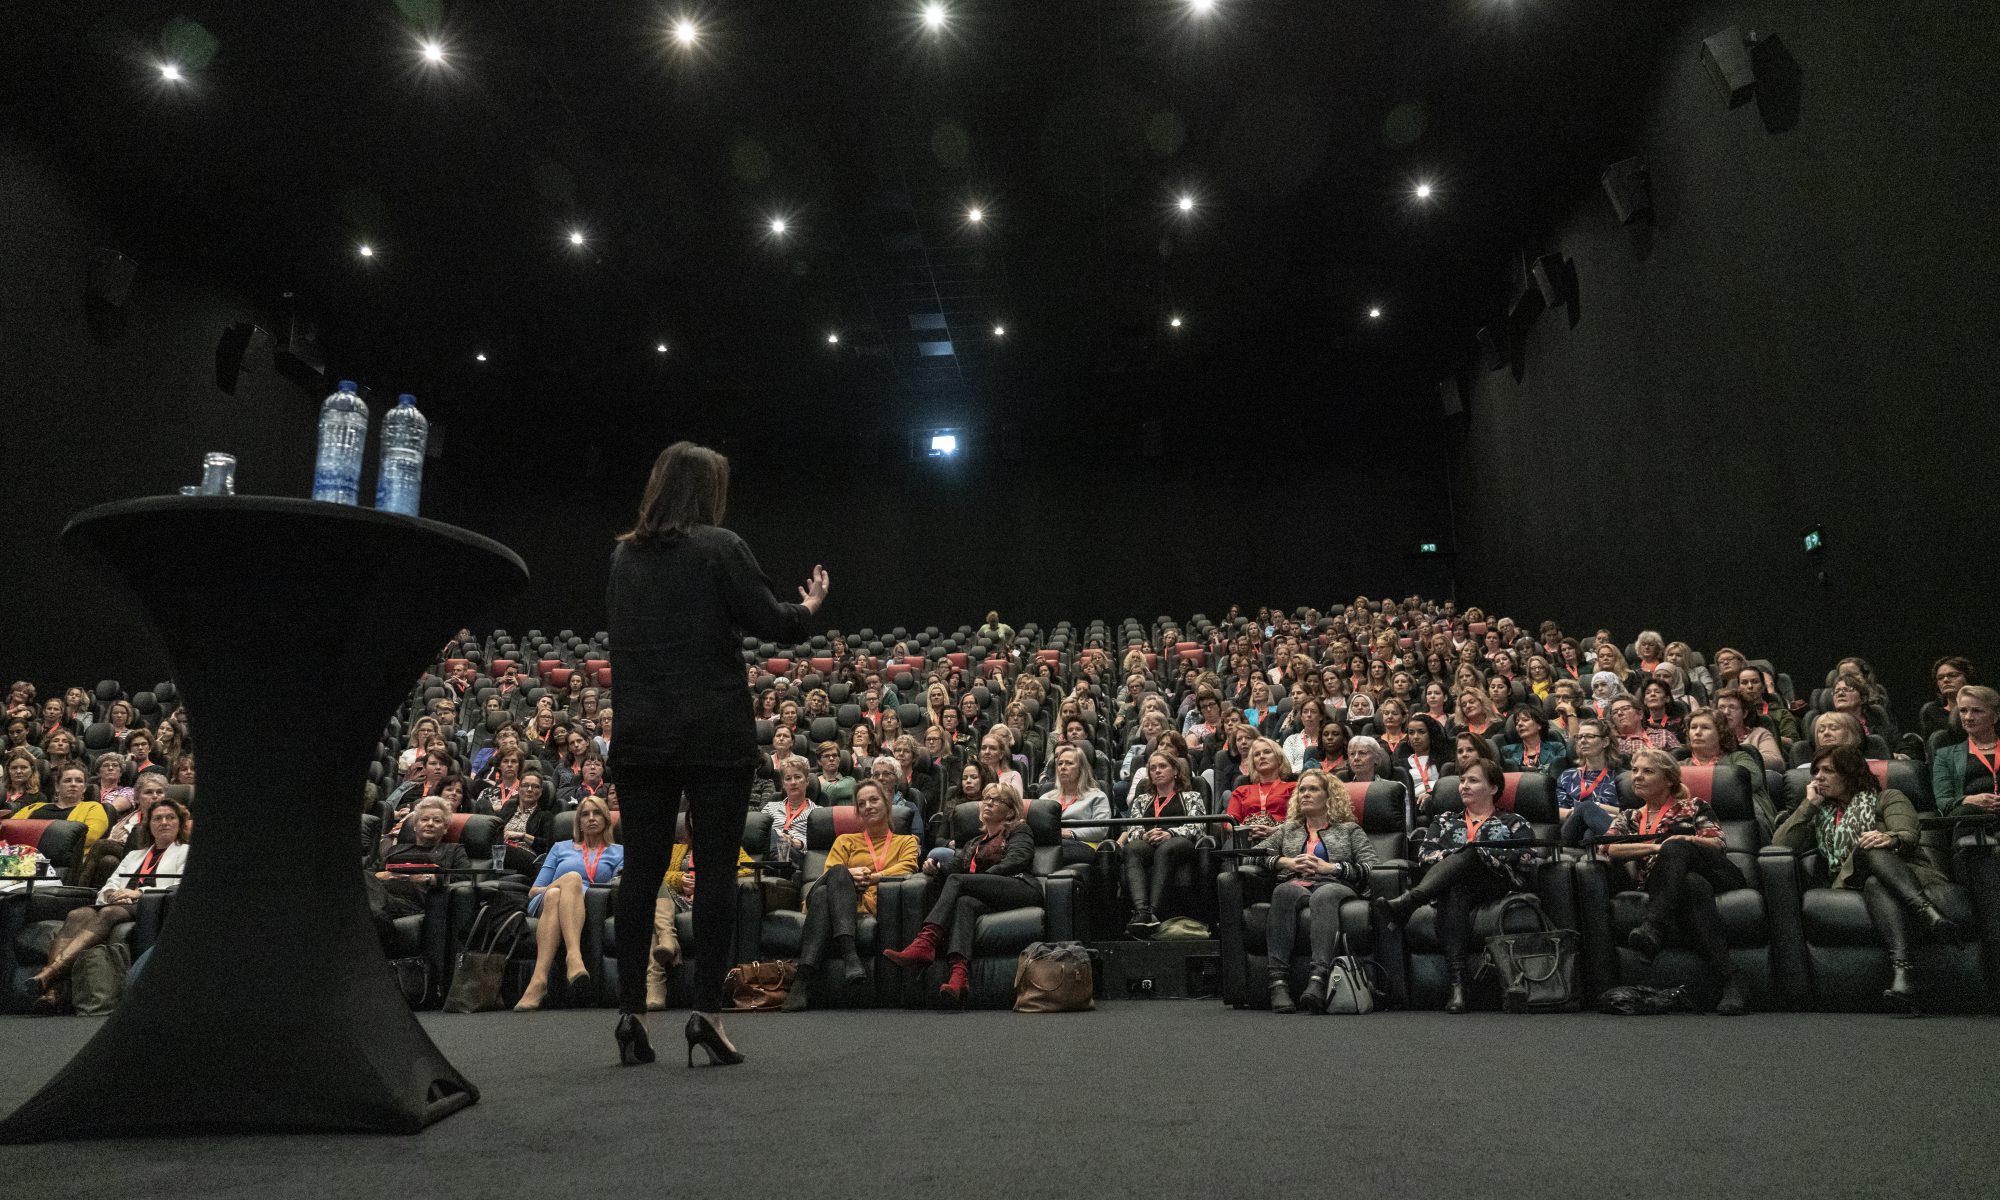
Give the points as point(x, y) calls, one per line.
point(1160, 804)
point(1472, 830)
point(1991, 764)
point(888, 848)
point(792, 814)
point(590, 862)
point(1590, 787)
point(1659, 819)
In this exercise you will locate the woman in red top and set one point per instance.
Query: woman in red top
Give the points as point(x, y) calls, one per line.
point(1260, 804)
point(1682, 866)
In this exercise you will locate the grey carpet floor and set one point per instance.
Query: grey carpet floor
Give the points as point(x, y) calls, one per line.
point(1159, 1099)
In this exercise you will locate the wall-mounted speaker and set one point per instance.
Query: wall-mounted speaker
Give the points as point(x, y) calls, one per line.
point(233, 352)
point(1726, 56)
point(1629, 185)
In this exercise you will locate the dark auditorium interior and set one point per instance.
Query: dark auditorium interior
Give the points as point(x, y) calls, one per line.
point(1270, 455)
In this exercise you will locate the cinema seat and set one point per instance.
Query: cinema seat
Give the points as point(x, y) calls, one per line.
point(781, 927)
point(600, 921)
point(1243, 904)
point(28, 919)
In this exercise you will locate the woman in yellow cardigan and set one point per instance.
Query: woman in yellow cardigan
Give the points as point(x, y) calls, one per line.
point(72, 784)
point(853, 865)
point(676, 895)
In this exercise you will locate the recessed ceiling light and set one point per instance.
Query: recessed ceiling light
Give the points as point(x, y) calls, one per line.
point(1174, 321)
point(576, 237)
point(366, 250)
point(433, 53)
point(479, 357)
point(1185, 203)
point(1202, 8)
point(170, 72)
point(934, 16)
point(685, 32)
point(1374, 314)
point(1423, 191)
point(833, 339)
point(778, 226)
point(999, 331)
point(975, 215)
point(661, 348)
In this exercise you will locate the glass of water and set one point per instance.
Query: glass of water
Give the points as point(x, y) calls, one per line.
point(500, 855)
point(218, 474)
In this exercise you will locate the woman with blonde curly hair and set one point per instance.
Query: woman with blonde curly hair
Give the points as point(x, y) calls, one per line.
point(1323, 860)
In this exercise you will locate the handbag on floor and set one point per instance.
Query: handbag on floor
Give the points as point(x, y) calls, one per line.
point(760, 986)
point(482, 966)
point(1053, 977)
point(1354, 984)
point(1537, 970)
point(97, 978)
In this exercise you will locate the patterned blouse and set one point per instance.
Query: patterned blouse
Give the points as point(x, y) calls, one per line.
point(1676, 816)
point(1450, 831)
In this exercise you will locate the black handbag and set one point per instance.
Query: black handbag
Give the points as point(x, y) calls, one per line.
point(482, 966)
point(1537, 970)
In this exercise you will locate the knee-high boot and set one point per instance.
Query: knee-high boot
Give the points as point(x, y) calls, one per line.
point(666, 953)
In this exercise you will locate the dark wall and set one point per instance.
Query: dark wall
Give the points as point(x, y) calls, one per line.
point(1080, 522)
point(1805, 335)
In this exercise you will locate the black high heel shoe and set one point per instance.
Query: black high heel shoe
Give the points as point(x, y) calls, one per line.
point(634, 1047)
point(701, 1033)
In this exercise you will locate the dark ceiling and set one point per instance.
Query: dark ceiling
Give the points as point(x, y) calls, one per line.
point(301, 130)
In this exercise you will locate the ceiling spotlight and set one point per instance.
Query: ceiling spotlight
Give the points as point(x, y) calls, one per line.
point(1185, 203)
point(975, 215)
point(480, 357)
point(576, 237)
point(433, 53)
point(170, 72)
point(1423, 191)
point(833, 339)
point(661, 348)
point(1201, 8)
point(934, 16)
point(999, 331)
point(1374, 314)
point(366, 250)
point(1174, 321)
point(685, 32)
point(778, 226)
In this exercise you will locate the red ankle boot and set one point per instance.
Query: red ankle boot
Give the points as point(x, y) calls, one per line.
point(921, 952)
point(957, 984)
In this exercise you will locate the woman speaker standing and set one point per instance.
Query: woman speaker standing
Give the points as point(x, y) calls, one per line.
point(683, 592)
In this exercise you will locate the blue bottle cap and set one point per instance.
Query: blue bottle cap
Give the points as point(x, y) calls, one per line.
point(405, 398)
point(346, 385)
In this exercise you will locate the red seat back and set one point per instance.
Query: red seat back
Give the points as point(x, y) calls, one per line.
point(822, 665)
point(604, 677)
point(559, 677)
point(1700, 782)
point(957, 659)
point(778, 666)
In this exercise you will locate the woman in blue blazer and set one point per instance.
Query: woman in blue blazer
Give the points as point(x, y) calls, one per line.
point(556, 900)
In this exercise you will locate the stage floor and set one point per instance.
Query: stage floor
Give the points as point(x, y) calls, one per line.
point(1158, 1099)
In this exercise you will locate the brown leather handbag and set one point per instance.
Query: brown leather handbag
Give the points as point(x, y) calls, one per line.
point(760, 986)
point(1053, 977)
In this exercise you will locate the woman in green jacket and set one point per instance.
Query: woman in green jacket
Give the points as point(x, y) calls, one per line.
point(1869, 839)
point(1964, 772)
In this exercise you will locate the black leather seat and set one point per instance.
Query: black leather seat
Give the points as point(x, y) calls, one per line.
point(1424, 974)
point(1764, 957)
point(1243, 903)
point(781, 928)
point(1845, 965)
point(1000, 937)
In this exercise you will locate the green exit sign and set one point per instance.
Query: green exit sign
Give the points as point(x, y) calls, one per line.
point(1427, 547)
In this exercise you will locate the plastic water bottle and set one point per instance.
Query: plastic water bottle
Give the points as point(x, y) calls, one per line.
point(400, 476)
point(343, 435)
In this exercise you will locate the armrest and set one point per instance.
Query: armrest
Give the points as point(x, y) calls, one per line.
point(56, 901)
point(1059, 894)
point(1785, 875)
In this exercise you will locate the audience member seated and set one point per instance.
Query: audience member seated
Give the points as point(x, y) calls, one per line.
point(1682, 867)
point(1756, 689)
point(1149, 853)
point(1420, 756)
point(987, 874)
point(164, 853)
point(789, 812)
point(835, 787)
point(405, 886)
point(1949, 673)
point(528, 822)
point(126, 832)
point(887, 773)
point(1870, 839)
point(68, 804)
point(1710, 743)
point(24, 781)
point(1076, 791)
point(1749, 729)
point(1968, 773)
point(1587, 794)
point(855, 863)
point(1534, 747)
point(590, 781)
point(556, 898)
point(505, 784)
point(140, 755)
point(1460, 870)
point(1323, 859)
point(1259, 804)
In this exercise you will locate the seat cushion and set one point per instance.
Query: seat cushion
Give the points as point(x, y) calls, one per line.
point(1421, 933)
point(1742, 912)
point(1008, 932)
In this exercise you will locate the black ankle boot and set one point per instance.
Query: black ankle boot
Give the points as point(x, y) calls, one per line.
point(1645, 939)
point(1281, 997)
point(1733, 1002)
point(1142, 924)
point(1941, 927)
point(1313, 999)
point(1397, 911)
point(1901, 994)
point(1455, 1003)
